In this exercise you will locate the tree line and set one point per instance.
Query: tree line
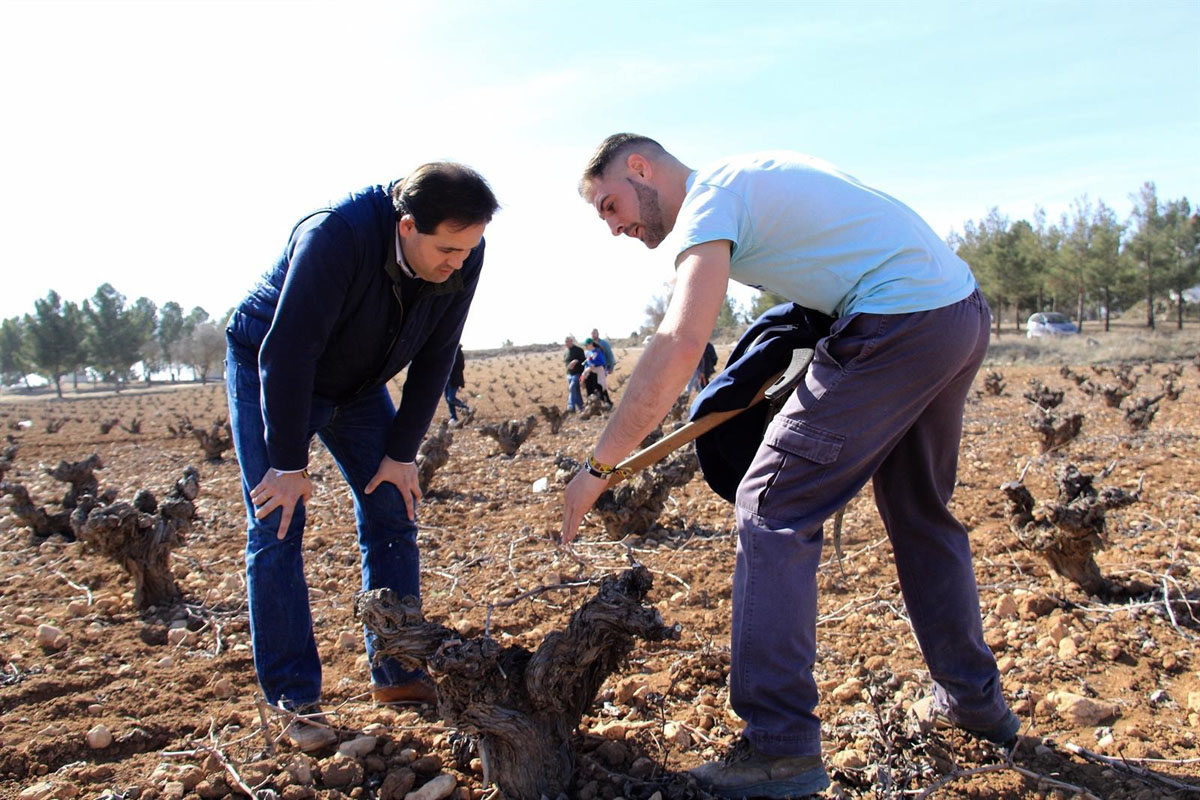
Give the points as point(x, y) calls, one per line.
point(1090, 264)
point(105, 337)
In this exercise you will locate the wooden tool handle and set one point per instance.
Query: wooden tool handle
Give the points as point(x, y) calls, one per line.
point(678, 438)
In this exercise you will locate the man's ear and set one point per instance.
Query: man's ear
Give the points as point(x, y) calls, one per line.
point(408, 225)
point(639, 165)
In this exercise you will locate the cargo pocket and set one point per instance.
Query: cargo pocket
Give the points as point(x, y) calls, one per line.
point(793, 464)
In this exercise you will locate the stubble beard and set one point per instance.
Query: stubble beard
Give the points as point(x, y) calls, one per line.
point(654, 227)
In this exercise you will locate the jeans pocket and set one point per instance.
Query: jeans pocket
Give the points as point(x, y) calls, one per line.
point(241, 380)
point(789, 469)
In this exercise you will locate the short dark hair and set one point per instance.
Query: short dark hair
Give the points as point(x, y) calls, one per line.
point(610, 149)
point(442, 191)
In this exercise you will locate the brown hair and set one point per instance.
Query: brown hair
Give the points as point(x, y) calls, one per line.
point(442, 191)
point(610, 150)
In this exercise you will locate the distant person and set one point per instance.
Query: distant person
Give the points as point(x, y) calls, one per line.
point(610, 360)
point(574, 360)
point(882, 401)
point(455, 382)
point(380, 281)
point(595, 371)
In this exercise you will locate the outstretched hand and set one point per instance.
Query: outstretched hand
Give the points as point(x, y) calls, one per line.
point(581, 494)
point(404, 478)
point(282, 491)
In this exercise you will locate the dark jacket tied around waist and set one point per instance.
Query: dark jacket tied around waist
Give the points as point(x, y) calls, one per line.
point(764, 350)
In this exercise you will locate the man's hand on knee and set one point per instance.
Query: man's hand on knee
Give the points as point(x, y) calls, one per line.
point(282, 490)
point(402, 475)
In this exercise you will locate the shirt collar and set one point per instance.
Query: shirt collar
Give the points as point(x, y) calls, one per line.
point(400, 256)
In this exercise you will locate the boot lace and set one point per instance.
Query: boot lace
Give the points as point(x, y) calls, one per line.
point(742, 750)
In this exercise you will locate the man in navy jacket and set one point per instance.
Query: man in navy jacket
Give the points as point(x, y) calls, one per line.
point(380, 281)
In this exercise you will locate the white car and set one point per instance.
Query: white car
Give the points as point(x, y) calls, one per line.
point(1049, 323)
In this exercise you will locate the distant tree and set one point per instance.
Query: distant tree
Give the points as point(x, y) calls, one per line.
point(1181, 266)
point(14, 357)
point(1149, 245)
point(763, 301)
point(115, 335)
point(729, 319)
point(1109, 271)
point(55, 334)
point(999, 253)
point(1041, 252)
point(656, 309)
point(143, 321)
point(202, 349)
point(196, 316)
point(168, 332)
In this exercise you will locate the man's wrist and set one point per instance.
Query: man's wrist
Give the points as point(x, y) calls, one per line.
point(279, 473)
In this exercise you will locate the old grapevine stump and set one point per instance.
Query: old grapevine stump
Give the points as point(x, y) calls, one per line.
point(36, 518)
point(139, 536)
point(6, 459)
point(1068, 531)
point(633, 506)
point(1054, 429)
point(216, 440)
point(994, 384)
point(522, 706)
point(554, 416)
point(1141, 413)
point(510, 434)
point(433, 455)
point(81, 476)
point(1043, 396)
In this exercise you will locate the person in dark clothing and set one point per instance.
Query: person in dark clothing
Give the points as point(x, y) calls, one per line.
point(595, 371)
point(380, 281)
point(455, 382)
point(574, 360)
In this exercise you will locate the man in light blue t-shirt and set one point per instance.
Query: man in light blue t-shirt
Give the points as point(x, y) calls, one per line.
point(882, 400)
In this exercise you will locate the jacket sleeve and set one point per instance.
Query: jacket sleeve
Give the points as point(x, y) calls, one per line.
point(320, 263)
point(431, 367)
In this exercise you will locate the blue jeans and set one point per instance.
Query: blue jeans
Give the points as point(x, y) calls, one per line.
point(574, 394)
point(452, 401)
point(281, 629)
point(883, 399)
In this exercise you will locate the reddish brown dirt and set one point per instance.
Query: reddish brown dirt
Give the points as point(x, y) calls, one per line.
point(171, 708)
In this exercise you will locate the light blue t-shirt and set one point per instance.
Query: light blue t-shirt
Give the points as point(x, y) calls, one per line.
point(813, 234)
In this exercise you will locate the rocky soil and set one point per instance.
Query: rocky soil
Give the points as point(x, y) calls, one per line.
point(99, 700)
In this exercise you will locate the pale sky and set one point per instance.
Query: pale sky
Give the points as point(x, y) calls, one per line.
point(168, 147)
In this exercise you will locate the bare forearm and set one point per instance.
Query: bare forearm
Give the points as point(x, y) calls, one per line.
point(659, 377)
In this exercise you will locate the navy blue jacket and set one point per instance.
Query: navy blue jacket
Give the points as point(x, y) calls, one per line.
point(764, 350)
point(336, 319)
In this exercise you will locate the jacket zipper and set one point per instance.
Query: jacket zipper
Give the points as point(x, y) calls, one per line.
point(391, 345)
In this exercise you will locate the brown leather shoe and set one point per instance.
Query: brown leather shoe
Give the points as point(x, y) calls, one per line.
point(416, 691)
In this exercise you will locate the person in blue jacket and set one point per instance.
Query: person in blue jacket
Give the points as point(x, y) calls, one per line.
point(379, 281)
